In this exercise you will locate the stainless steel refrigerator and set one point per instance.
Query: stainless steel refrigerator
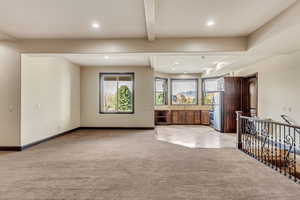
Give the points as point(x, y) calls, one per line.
point(218, 111)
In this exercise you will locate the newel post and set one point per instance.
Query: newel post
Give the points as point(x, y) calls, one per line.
point(238, 129)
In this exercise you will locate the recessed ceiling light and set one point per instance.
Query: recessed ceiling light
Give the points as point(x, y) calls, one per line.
point(176, 63)
point(220, 65)
point(95, 25)
point(208, 70)
point(106, 57)
point(210, 23)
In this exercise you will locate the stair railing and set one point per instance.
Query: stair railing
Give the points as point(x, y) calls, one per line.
point(290, 122)
point(272, 143)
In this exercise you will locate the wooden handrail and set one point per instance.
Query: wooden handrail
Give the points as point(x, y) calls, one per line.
point(271, 121)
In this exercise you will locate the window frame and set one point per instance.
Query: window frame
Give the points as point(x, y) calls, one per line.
point(183, 79)
point(101, 74)
point(203, 92)
point(166, 91)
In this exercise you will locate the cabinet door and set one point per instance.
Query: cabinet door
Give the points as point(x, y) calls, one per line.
point(205, 117)
point(198, 117)
point(175, 117)
point(182, 117)
point(190, 117)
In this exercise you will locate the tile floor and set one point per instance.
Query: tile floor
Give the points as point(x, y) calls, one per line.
point(195, 136)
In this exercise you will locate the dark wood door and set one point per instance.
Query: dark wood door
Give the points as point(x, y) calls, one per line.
point(232, 102)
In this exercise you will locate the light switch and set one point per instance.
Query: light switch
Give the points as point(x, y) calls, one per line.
point(10, 108)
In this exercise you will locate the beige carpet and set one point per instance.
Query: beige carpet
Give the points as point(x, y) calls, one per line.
point(133, 165)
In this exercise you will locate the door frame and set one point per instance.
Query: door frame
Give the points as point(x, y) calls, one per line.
point(254, 75)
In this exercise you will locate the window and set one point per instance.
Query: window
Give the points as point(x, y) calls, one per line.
point(184, 91)
point(117, 94)
point(161, 91)
point(208, 98)
point(209, 87)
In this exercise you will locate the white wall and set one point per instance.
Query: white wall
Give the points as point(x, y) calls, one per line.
point(10, 92)
point(50, 97)
point(278, 86)
point(143, 99)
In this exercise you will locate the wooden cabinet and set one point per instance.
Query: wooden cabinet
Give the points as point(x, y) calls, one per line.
point(190, 117)
point(182, 117)
point(178, 117)
point(186, 117)
point(232, 103)
point(197, 117)
point(175, 117)
point(205, 118)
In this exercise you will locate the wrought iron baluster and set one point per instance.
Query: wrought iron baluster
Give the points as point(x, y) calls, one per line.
point(272, 139)
point(246, 136)
point(262, 141)
point(284, 159)
point(289, 152)
point(242, 133)
point(276, 157)
point(259, 141)
point(251, 138)
point(280, 150)
point(265, 150)
point(268, 141)
point(295, 165)
point(298, 133)
point(255, 139)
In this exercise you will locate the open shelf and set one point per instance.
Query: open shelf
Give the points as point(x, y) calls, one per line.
point(162, 117)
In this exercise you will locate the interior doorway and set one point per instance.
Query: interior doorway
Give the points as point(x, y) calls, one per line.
point(250, 96)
